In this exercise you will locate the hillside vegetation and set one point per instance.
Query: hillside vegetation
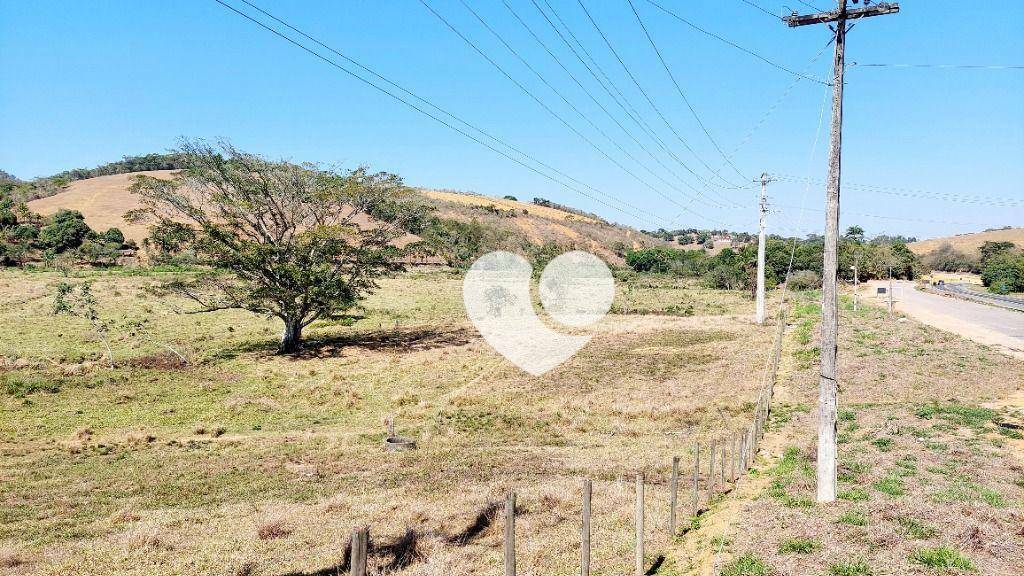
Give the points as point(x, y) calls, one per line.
point(969, 243)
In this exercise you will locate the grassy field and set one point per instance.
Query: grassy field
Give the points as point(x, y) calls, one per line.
point(246, 462)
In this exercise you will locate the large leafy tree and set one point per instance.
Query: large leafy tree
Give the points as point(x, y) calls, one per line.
point(284, 240)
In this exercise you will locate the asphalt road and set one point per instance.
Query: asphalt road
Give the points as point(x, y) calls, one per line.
point(964, 291)
point(998, 327)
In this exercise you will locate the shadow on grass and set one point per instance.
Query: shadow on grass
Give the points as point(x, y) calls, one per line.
point(397, 340)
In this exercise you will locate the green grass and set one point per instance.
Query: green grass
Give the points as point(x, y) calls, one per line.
point(942, 557)
point(854, 495)
point(746, 565)
point(883, 444)
point(915, 529)
point(853, 518)
point(964, 490)
point(891, 485)
point(959, 414)
point(798, 546)
point(851, 568)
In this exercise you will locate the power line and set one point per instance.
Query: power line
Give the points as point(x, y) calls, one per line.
point(735, 45)
point(587, 119)
point(680, 90)
point(940, 66)
point(431, 115)
point(621, 101)
point(759, 7)
point(884, 217)
point(917, 193)
point(553, 113)
point(646, 96)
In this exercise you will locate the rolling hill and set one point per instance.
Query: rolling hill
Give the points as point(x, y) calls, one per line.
point(969, 243)
point(104, 200)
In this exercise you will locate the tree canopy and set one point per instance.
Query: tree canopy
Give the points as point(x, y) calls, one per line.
point(291, 241)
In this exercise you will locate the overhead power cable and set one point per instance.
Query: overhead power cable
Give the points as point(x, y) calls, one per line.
point(679, 90)
point(939, 66)
point(761, 9)
point(611, 89)
point(884, 217)
point(435, 117)
point(735, 45)
point(553, 113)
point(916, 193)
point(573, 107)
point(647, 97)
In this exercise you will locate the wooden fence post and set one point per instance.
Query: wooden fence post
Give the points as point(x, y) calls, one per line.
point(674, 497)
point(640, 524)
point(711, 471)
point(724, 466)
point(696, 479)
point(360, 541)
point(510, 534)
point(585, 530)
point(735, 457)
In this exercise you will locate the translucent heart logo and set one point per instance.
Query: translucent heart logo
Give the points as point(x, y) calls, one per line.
point(576, 290)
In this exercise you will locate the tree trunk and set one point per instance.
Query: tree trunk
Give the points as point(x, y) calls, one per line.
point(291, 338)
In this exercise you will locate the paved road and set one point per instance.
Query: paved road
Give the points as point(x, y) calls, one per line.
point(997, 327)
point(964, 291)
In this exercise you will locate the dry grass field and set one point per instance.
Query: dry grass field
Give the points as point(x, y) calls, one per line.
point(969, 243)
point(244, 462)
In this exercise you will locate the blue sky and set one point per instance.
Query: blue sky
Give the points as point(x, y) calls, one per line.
point(82, 83)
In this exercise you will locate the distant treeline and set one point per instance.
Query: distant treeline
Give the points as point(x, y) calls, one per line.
point(1001, 264)
point(737, 269)
point(21, 191)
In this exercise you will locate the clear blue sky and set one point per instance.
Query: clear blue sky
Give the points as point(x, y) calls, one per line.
point(82, 83)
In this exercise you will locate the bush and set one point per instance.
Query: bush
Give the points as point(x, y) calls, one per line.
point(67, 230)
point(804, 280)
point(113, 236)
point(1004, 273)
point(23, 232)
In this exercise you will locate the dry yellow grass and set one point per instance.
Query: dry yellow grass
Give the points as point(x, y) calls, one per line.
point(969, 243)
point(503, 204)
point(103, 201)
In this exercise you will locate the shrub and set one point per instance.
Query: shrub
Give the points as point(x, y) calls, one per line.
point(1004, 273)
point(113, 236)
point(67, 229)
point(804, 280)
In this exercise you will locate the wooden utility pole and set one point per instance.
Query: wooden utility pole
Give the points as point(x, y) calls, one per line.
point(760, 248)
point(827, 386)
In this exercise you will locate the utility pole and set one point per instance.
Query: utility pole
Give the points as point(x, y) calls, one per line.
point(856, 282)
point(890, 291)
point(828, 386)
point(761, 247)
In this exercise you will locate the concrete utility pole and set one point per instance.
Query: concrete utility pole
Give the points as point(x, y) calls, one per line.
point(760, 248)
point(890, 291)
point(856, 283)
point(828, 386)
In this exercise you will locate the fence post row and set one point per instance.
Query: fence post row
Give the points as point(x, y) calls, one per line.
point(640, 524)
point(585, 530)
point(510, 534)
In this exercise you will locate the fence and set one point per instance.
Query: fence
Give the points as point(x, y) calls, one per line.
point(729, 457)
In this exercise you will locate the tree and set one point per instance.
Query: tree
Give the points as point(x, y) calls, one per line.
point(113, 236)
point(855, 234)
point(990, 249)
point(1004, 273)
point(295, 242)
point(67, 230)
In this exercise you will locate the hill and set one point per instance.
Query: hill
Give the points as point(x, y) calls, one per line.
point(510, 224)
point(969, 243)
